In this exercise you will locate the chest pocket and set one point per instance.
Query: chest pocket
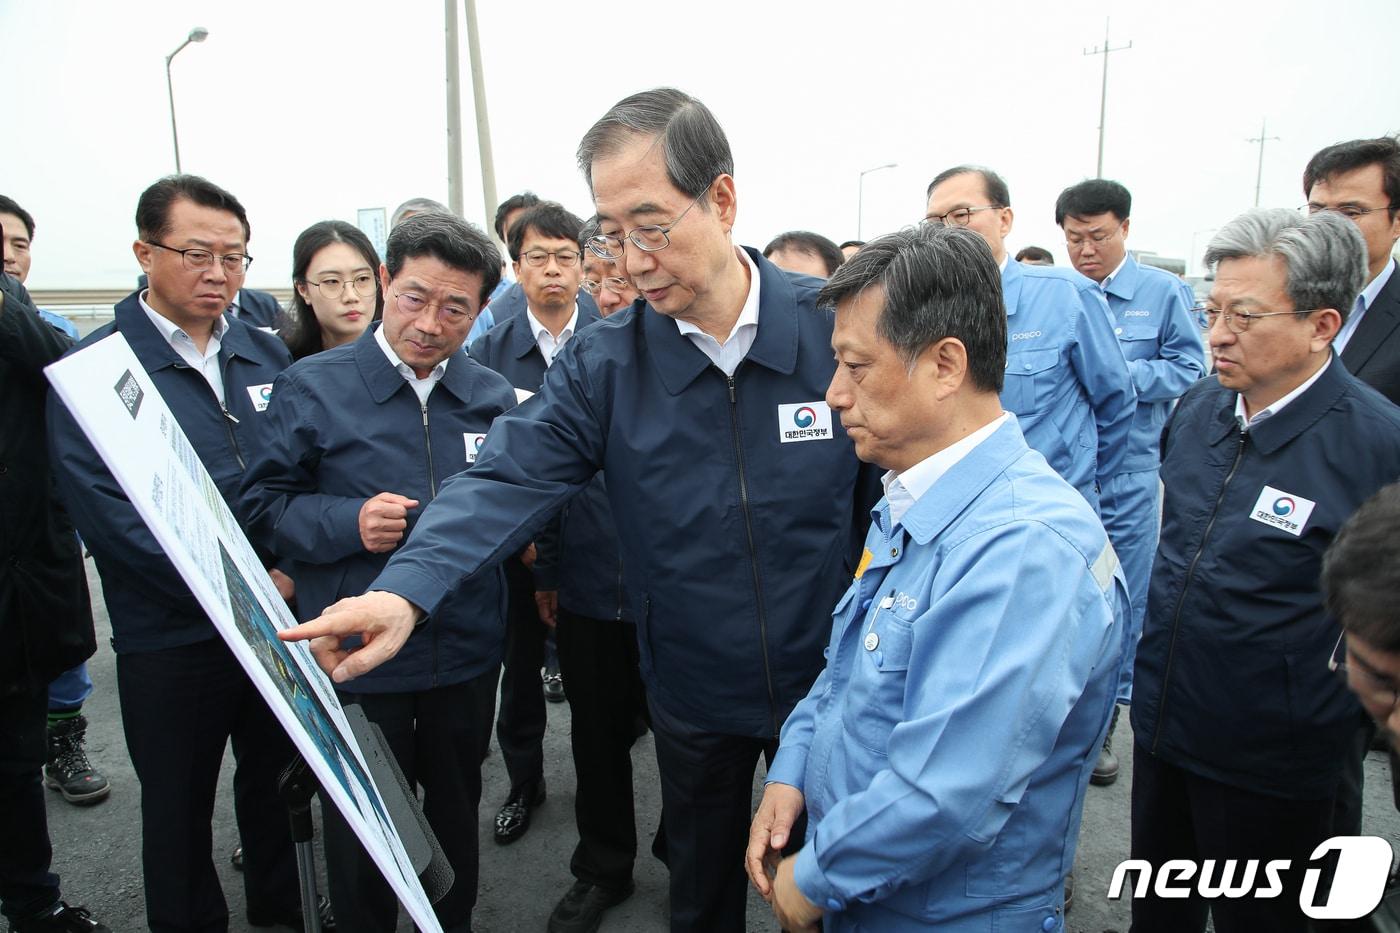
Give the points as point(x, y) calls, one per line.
point(875, 699)
point(1030, 380)
point(1139, 341)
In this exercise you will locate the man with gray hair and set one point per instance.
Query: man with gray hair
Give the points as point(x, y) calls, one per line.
point(1241, 732)
point(943, 755)
point(734, 489)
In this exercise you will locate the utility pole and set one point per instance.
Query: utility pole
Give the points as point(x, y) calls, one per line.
point(483, 124)
point(860, 195)
point(1260, 139)
point(1103, 93)
point(454, 114)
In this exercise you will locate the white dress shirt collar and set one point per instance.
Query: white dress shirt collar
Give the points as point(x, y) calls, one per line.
point(549, 344)
point(206, 363)
point(736, 346)
point(421, 387)
point(1247, 422)
point(904, 489)
point(1108, 280)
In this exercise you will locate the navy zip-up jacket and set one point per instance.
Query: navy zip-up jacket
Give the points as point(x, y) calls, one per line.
point(150, 606)
point(578, 553)
point(1231, 681)
point(342, 427)
point(733, 505)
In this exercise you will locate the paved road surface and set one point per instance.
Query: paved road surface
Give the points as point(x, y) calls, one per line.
point(97, 850)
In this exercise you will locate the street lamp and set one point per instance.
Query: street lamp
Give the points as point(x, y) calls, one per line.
point(860, 196)
point(197, 34)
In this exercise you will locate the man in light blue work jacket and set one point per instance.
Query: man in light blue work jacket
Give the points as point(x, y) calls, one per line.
point(1150, 311)
point(943, 754)
point(1066, 381)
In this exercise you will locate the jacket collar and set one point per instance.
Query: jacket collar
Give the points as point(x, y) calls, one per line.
point(1298, 416)
point(1011, 279)
point(1125, 282)
point(679, 362)
point(155, 352)
point(522, 336)
point(965, 481)
point(1382, 318)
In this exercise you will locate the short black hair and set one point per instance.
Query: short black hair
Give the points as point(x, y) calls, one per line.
point(856, 243)
point(813, 244)
point(997, 192)
point(549, 220)
point(451, 240)
point(939, 282)
point(1358, 153)
point(1095, 196)
point(153, 207)
point(1035, 254)
point(8, 206)
point(1361, 571)
point(515, 202)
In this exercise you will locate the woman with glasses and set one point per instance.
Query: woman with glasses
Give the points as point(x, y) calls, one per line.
point(335, 274)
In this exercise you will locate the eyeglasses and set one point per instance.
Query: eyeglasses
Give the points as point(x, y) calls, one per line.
point(1349, 211)
point(197, 260)
point(413, 305)
point(1075, 242)
point(649, 238)
point(567, 258)
point(1369, 686)
point(1238, 321)
point(614, 284)
point(333, 287)
point(958, 218)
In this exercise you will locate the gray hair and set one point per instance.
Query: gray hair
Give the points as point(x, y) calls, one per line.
point(1323, 254)
point(939, 282)
point(415, 206)
point(449, 239)
point(692, 142)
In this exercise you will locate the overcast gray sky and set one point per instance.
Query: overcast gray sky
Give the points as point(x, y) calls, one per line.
point(310, 109)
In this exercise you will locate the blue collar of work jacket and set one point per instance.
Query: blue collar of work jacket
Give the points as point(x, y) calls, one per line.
point(679, 362)
point(1298, 416)
point(1125, 281)
point(955, 490)
point(522, 336)
point(383, 380)
point(156, 353)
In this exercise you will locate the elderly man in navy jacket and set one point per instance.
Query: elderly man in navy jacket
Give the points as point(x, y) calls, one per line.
point(357, 441)
point(183, 694)
point(732, 486)
point(1241, 731)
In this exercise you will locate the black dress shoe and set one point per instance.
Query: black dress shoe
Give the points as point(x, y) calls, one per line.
point(514, 818)
point(581, 909)
point(293, 918)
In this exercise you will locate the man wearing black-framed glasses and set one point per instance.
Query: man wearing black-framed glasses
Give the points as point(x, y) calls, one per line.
point(183, 695)
point(733, 486)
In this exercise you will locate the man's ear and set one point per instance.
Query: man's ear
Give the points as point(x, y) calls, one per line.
point(145, 254)
point(1326, 323)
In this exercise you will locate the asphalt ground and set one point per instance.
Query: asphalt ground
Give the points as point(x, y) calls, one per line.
point(97, 850)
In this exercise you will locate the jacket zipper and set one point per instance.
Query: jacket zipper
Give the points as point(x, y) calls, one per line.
point(1186, 584)
point(432, 494)
point(228, 417)
point(753, 550)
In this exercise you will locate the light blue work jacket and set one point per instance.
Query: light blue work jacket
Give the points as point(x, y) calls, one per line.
point(1150, 310)
point(1066, 380)
point(945, 749)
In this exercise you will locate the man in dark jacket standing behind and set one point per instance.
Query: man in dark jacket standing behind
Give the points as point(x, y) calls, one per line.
point(1241, 730)
point(45, 618)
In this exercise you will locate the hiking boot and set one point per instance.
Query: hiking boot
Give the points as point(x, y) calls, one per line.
point(68, 770)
